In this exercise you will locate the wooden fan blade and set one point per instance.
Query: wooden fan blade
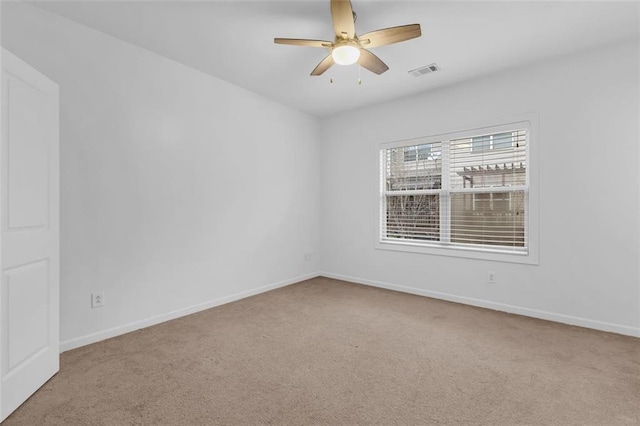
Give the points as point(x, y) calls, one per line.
point(371, 62)
point(324, 65)
point(303, 42)
point(390, 35)
point(342, 15)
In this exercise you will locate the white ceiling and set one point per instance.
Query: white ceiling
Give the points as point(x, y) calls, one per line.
point(233, 40)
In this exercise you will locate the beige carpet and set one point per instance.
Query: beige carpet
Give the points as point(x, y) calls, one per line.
point(329, 352)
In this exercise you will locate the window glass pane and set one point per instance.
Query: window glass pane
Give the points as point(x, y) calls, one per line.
point(491, 218)
point(502, 140)
point(417, 152)
point(414, 167)
point(413, 217)
point(481, 143)
point(409, 153)
point(474, 168)
point(424, 151)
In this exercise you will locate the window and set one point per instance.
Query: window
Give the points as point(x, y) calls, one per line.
point(468, 191)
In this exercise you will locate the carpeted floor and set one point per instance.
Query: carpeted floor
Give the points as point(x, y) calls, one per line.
point(329, 352)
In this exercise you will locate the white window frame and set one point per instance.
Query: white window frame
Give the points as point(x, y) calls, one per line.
point(530, 256)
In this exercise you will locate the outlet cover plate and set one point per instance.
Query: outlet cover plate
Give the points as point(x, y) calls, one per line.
point(97, 300)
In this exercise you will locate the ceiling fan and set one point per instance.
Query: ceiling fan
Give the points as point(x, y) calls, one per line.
point(348, 48)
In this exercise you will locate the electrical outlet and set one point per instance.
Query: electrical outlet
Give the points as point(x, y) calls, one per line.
point(491, 277)
point(97, 300)
point(307, 257)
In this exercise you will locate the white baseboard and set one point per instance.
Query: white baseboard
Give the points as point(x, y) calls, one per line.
point(535, 313)
point(127, 328)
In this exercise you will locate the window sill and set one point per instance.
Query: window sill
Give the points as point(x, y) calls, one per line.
point(529, 258)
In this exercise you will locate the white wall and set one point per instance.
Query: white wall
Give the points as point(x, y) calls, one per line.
point(588, 187)
point(177, 189)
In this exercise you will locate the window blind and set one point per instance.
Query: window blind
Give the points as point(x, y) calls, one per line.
point(488, 189)
point(413, 180)
point(469, 192)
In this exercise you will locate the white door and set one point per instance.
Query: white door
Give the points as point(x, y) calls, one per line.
point(29, 216)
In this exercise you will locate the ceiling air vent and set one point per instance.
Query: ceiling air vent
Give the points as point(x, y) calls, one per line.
point(424, 70)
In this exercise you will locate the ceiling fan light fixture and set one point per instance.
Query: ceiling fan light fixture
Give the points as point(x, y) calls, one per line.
point(345, 54)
